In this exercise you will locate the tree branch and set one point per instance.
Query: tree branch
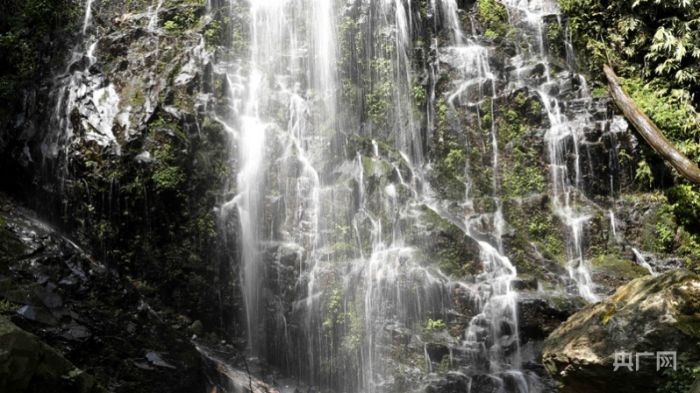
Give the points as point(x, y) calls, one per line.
point(649, 131)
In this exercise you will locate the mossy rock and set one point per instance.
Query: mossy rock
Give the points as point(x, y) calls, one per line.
point(620, 267)
point(11, 247)
point(448, 246)
point(29, 365)
point(649, 314)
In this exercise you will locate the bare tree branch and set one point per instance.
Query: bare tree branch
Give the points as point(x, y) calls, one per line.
point(649, 131)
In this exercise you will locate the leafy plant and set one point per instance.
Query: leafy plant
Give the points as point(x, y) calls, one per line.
point(434, 325)
point(679, 381)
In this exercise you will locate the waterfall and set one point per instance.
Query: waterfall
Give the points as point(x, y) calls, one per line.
point(333, 186)
point(643, 262)
point(87, 19)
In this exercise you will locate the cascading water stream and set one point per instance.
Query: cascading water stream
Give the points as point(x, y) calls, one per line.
point(562, 132)
point(492, 335)
point(642, 261)
point(153, 18)
point(87, 19)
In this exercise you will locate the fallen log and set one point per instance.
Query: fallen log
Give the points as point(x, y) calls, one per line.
point(649, 131)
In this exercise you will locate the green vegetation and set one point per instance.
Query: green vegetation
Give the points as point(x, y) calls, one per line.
point(451, 156)
point(167, 175)
point(27, 52)
point(163, 234)
point(187, 18)
point(650, 38)
point(434, 325)
point(523, 177)
point(663, 230)
point(448, 248)
point(655, 47)
point(494, 16)
point(544, 233)
point(379, 98)
point(679, 381)
point(610, 311)
point(342, 327)
point(7, 307)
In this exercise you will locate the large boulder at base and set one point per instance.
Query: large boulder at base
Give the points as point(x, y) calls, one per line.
point(29, 365)
point(647, 315)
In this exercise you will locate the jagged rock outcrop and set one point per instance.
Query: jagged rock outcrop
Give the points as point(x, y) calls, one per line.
point(646, 316)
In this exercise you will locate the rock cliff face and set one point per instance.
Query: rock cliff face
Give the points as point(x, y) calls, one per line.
point(120, 150)
point(374, 196)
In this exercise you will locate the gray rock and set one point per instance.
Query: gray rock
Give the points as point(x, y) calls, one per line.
point(155, 359)
point(37, 314)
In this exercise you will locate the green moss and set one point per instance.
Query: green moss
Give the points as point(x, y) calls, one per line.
point(689, 325)
point(555, 39)
point(600, 91)
point(167, 178)
point(171, 26)
point(352, 340)
point(213, 32)
point(444, 365)
point(419, 93)
point(449, 172)
point(618, 267)
point(333, 315)
point(343, 250)
point(448, 247)
point(167, 175)
point(547, 237)
point(455, 161)
point(609, 313)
